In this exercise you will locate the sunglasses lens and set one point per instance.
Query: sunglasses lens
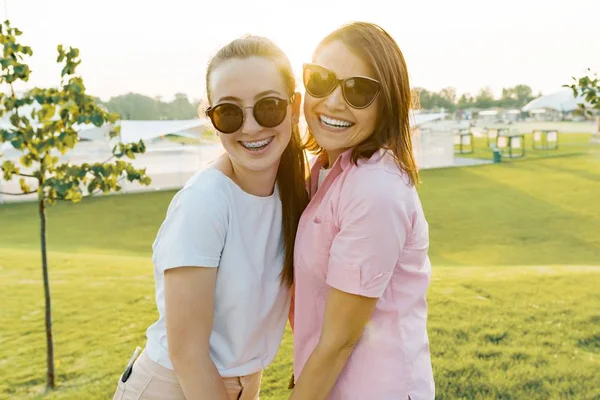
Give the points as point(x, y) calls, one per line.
point(270, 112)
point(360, 92)
point(318, 82)
point(227, 118)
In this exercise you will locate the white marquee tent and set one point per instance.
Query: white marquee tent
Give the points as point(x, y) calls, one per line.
point(562, 101)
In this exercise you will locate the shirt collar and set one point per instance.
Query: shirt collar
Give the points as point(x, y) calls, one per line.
point(343, 160)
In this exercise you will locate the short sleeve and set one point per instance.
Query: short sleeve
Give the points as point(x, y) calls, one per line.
point(374, 223)
point(193, 232)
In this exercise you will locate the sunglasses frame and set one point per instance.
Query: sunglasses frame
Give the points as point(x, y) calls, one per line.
point(209, 111)
point(340, 82)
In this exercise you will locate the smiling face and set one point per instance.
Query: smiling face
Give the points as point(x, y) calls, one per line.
point(334, 124)
point(244, 82)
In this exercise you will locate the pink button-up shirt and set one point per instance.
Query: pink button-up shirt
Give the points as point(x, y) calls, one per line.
point(364, 232)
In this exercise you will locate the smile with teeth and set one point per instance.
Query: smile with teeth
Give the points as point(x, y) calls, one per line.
point(258, 144)
point(335, 123)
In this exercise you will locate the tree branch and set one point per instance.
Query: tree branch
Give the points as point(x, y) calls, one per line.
point(110, 158)
point(22, 175)
point(94, 193)
point(100, 191)
point(19, 194)
point(14, 96)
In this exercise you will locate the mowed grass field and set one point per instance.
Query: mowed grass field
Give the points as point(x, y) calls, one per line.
point(514, 299)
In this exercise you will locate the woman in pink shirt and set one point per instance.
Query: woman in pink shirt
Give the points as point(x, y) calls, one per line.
point(361, 264)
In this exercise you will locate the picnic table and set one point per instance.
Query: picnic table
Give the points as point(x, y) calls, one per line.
point(545, 139)
point(463, 138)
point(512, 144)
point(492, 135)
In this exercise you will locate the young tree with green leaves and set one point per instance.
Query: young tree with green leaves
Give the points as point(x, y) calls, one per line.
point(588, 87)
point(50, 127)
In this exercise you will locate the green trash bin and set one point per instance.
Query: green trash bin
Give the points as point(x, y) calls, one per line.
point(497, 154)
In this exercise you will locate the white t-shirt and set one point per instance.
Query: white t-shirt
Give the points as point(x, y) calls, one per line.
point(212, 222)
point(322, 175)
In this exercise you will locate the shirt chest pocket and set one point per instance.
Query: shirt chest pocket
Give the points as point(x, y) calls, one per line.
point(319, 237)
point(316, 233)
point(322, 233)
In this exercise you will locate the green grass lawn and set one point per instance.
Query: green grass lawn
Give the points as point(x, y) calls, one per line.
point(514, 300)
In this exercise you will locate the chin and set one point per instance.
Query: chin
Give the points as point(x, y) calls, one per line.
point(257, 167)
point(257, 164)
point(329, 141)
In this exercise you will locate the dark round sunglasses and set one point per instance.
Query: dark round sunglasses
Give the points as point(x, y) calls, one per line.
point(269, 112)
point(358, 91)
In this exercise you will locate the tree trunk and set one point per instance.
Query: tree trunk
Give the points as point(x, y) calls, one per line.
point(50, 378)
point(596, 135)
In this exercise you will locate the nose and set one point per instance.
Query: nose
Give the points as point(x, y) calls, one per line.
point(250, 126)
point(335, 101)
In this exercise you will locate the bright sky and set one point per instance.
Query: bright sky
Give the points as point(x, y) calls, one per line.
point(162, 47)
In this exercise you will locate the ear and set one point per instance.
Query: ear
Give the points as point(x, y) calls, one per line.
point(213, 126)
point(296, 108)
point(201, 111)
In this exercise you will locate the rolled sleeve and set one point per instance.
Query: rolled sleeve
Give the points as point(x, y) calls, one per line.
point(193, 232)
point(374, 224)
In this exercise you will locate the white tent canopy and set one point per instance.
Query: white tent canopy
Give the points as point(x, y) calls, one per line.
point(133, 131)
point(563, 101)
point(420, 119)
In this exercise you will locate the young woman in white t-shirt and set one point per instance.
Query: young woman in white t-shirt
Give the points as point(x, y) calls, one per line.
point(223, 256)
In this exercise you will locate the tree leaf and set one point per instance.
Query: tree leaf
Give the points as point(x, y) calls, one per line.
point(26, 160)
point(9, 169)
point(70, 140)
point(18, 143)
point(46, 112)
point(15, 120)
point(64, 114)
point(24, 186)
point(61, 53)
point(114, 132)
point(97, 119)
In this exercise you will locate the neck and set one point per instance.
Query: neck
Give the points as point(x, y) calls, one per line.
point(333, 155)
point(257, 183)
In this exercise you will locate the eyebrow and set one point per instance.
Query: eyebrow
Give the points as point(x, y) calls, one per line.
point(265, 93)
point(237, 99)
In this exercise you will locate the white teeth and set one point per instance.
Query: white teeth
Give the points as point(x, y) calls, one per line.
point(257, 144)
point(336, 123)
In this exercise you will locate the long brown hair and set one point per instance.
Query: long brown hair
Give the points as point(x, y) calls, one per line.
point(292, 167)
point(380, 51)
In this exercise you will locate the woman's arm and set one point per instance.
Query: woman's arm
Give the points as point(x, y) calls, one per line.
point(189, 305)
point(346, 316)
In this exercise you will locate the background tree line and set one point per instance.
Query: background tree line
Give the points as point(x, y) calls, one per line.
point(513, 97)
point(134, 106)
